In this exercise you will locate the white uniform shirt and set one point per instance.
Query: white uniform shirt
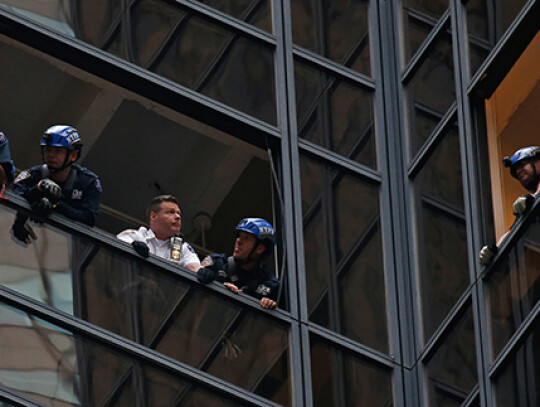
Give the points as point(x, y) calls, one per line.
point(161, 248)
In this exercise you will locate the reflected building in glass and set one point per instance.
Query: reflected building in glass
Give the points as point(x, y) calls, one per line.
point(367, 132)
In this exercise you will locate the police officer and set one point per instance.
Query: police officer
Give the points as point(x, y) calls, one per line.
point(243, 271)
point(7, 169)
point(525, 167)
point(163, 238)
point(58, 184)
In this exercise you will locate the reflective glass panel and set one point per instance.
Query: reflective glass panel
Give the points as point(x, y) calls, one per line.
point(138, 148)
point(255, 12)
point(176, 43)
point(340, 378)
point(442, 233)
point(150, 306)
point(487, 21)
point(335, 114)
point(419, 18)
point(518, 381)
point(343, 254)
point(431, 92)
point(451, 372)
point(335, 29)
point(514, 287)
point(57, 367)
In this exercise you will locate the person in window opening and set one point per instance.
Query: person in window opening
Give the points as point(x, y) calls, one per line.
point(163, 237)
point(525, 167)
point(7, 169)
point(58, 184)
point(243, 272)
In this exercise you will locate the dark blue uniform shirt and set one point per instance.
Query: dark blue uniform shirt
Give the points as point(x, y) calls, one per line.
point(258, 282)
point(5, 158)
point(81, 192)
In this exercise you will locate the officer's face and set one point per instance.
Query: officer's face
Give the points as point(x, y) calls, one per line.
point(525, 172)
point(243, 246)
point(167, 221)
point(55, 157)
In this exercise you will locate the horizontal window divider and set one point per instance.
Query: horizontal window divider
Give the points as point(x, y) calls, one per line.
point(365, 352)
point(227, 21)
point(421, 52)
point(17, 399)
point(515, 341)
point(444, 208)
point(511, 239)
point(433, 140)
point(110, 241)
point(508, 49)
point(340, 161)
point(132, 349)
point(446, 325)
point(333, 67)
point(136, 79)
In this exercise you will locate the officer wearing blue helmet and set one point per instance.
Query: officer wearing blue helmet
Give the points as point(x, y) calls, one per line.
point(58, 184)
point(7, 169)
point(243, 272)
point(525, 167)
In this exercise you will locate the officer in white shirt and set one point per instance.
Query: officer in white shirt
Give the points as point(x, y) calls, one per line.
point(163, 238)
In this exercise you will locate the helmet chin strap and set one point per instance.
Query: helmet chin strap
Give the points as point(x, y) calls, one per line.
point(531, 186)
point(249, 258)
point(64, 165)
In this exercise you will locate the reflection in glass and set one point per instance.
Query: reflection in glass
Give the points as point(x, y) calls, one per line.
point(487, 21)
point(343, 254)
point(335, 114)
point(150, 306)
point(177, 44)
point(255, 12)
point(335, 29)
point(442, 238)
point(56, 367)
point(518, 382)
point(431, 92)
point(451, 372)
point(341, 379)
point(514, 287)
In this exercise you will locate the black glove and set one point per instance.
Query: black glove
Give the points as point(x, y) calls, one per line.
point(141, 248)
point(22, 231)
point(51, 190)
point(205, 275)
point(42, 207)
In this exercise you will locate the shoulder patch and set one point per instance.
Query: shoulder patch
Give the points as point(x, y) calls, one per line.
point(3, 138)
point(22, 176)
point(190, 248)
point(208, 261)
point(98, 185)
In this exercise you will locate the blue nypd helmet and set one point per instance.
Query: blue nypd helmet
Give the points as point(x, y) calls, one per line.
point(531, 153)
point(261, 229)
point(62, 136)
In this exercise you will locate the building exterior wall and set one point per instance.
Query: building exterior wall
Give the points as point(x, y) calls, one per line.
point(368, 119)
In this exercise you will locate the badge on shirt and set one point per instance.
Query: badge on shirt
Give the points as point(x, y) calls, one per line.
point(76, 194)
point(22, 176)
point(207, 261)
point(2, 138)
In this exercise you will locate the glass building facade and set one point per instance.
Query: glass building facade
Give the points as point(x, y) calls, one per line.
point(360, 128)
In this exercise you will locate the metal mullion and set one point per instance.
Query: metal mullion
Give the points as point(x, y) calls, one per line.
point(515, 341)
point(416, 164)
point(333, 67)
point(447, 325)
point(219, 58)
point(472, 397)
point(443, 208)
point(450, 391)
point(367, 174)
point(230, 23)
point(360, 350)
point(111, 399)
point(127, 347)
point(505, 52)
point(17, 399)
point(416, 60)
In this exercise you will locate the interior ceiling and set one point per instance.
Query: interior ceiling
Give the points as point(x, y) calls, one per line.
point(138, 148)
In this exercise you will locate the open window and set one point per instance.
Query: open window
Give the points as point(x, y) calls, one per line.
point(513, 121)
